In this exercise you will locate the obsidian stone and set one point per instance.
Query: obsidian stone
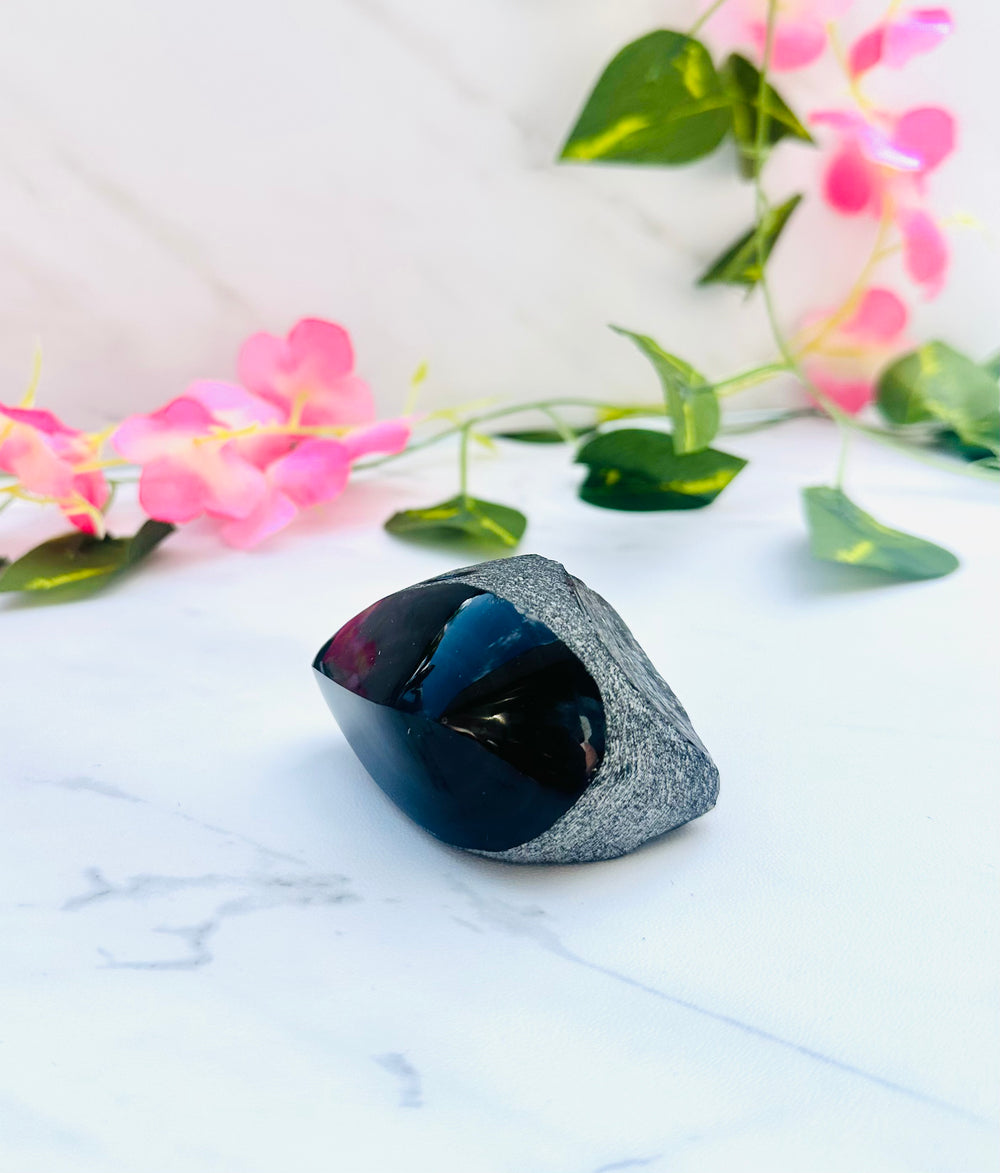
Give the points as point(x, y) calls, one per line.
point(477, 721)
point(508, 709)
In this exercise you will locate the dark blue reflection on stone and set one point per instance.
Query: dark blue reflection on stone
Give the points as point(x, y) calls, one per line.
point(477, 722)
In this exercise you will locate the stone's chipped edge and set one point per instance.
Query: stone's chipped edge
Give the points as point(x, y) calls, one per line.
point(656, 772)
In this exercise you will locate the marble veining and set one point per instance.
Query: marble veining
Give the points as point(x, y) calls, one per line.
point(397, 1064)
point(222, 948)
point(140, 274)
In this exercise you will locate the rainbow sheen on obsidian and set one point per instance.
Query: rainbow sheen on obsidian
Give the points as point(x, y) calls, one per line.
point(479, 723)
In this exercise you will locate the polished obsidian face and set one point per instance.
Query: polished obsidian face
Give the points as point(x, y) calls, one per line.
point(479, 723)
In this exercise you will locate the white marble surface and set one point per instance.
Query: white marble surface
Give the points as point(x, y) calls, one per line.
point(223, 951)
point(175, 174)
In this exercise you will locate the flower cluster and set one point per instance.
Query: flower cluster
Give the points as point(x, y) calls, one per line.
point(50, 462)
point(878, 167)
point(800, 35)
point(250, 454)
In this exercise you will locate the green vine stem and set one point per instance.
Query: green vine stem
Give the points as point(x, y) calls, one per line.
point(549, 408)
point(844, 421)
point(751, 378)
point(560, 425)
point(705, 17)
point(789, 362)
point(463, 461)
point(473, 422)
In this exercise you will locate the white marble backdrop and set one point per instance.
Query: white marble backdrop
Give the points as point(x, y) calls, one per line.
point(222, 950)
point(177, 173)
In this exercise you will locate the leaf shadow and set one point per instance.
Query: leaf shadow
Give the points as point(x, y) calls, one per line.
point(454, 541)
point(813, 576)
point(339, 792)
point(363, 504)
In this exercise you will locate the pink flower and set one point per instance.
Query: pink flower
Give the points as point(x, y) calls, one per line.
point(925, 249)
point(880, 167)
point(254, 458)
point(49, 461)
point(185, 472)
point(895, 42)
point(843, 357)
point(800, 34)
point(313, 368)
point(313, 471)
point(880, 161)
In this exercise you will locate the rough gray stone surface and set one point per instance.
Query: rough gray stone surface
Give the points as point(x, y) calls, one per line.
point(656, 773)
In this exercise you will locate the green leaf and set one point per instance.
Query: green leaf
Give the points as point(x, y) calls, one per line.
point(992, 365)
point(483, 521)
point(841, 532)
point(607, 415)
point(741, 263)
point(659, 102)
point(691, 400)
point(545, 436)
point(81, 560)
point(742, 81)
point(637, 469)
point(951, 442)
point(937, 383)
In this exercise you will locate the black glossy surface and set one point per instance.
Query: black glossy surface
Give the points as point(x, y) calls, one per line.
point(477, 722)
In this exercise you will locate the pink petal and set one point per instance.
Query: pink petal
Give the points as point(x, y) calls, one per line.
point(315, 471)
point(925, 249)
point(850, 395)
point(238, 408)
point(316, 362)
point(138, 438)
point(271, 515)
point(233, 405)
point(171, 491)
point(866, 52)
point(880, 317)
point(917, 32)
point(827, 10)
point(387, 436)
point(728, 22)
point(320, 351)
point(878, 147)
point(85, 522)
point(184, 414)
point(261, 451)
point(41, 421)
point(800, 35)
point(26, 455)
point(797, 43)
point(347, 402)
point(259, 363)
point(315, 352)
point(846, 121)
point(234, 487)
point(927, 134)
point(92, 487)
point(141, 438)
point(851, 184)
point(872, 141)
